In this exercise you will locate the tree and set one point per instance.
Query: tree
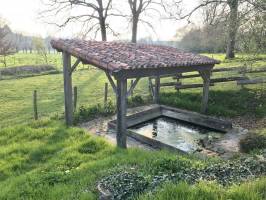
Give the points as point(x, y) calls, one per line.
point(92, 13)
point(138, 7)
point(6, 45)
point(39, 46)
point(233, 11)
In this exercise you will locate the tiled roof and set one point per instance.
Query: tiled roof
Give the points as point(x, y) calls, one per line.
point(113, 56)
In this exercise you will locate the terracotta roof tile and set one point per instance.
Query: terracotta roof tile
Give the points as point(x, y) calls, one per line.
point(113, 56)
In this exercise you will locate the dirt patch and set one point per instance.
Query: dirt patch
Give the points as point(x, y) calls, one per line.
point(249, 122)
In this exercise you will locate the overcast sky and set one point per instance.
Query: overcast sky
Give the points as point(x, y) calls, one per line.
point(22, 17)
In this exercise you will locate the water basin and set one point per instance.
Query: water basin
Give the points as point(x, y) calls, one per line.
point(176, 133)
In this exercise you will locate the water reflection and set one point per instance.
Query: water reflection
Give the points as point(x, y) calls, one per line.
point(181, 135)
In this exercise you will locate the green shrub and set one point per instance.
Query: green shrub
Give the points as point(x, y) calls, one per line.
point(135, 101)
point(88, 113)
point(253, 141)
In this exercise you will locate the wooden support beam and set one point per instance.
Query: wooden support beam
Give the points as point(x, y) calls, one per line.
point(121, 128)
point(151, 87)
point(75, 65)
point(75, 98)
point(132, 86)
point(105, 93)
point(68, 88)
point(156, 97)
point(111, 82)
point(205, 74)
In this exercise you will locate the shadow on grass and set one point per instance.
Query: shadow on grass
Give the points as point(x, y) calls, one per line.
point(228, 103)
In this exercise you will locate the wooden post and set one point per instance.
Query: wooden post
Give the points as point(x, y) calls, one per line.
point(178, 82)
point(131, 83)
point(35, 109)
point(105, 93)
point(157, 90)
point(75, 97)
point(206, 84)
point(68, 88)
point(121, 128)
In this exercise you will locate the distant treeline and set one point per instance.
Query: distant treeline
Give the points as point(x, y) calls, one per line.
point(251, 38)
point(26, 44)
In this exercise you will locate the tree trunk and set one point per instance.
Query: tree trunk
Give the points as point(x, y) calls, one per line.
point(232, 28)
point(134, 29)
point(103, 29)
point(102, 19)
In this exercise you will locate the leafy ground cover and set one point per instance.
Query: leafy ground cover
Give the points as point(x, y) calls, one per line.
point(126, 184)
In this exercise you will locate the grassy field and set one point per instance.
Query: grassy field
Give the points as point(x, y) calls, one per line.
point(45, 160)
point(16, 94)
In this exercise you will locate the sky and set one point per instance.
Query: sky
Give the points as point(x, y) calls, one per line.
point(23, 17)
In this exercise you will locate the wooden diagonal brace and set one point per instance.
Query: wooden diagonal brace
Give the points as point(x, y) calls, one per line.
point(75, 65)
point(111, 82)
point(132, 87)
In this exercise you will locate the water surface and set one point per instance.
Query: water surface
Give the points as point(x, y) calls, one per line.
point(179, 134)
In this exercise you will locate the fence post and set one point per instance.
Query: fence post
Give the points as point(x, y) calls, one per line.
point(105, 93)
point(35, 109)
point(75, 97)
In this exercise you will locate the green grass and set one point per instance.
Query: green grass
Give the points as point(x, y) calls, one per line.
point(16, 95)
point(20, 59)
point(253, 190)
point(46, 160)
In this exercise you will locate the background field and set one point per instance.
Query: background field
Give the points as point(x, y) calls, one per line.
point(16, 94)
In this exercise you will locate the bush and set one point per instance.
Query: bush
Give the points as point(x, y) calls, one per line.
point(87, 113)
point(253, 141)
point(135, 101)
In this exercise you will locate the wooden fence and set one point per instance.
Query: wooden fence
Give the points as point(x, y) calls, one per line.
point(241, 78)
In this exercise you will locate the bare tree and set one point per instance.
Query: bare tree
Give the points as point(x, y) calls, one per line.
point(92, 13)
point(6, 45)
point(233, 11)
point(139, 7)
